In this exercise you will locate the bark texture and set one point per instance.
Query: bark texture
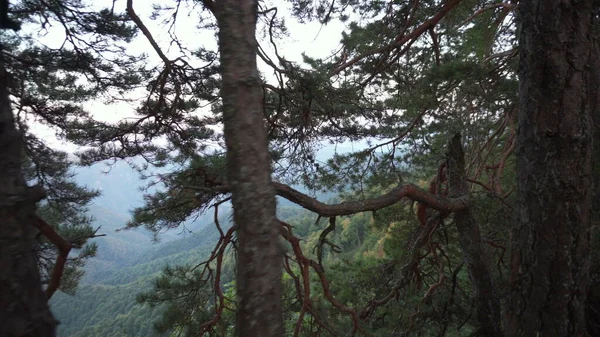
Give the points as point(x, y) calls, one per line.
point(551, 236)
point(593, 305)
point(24, 311)
point(259, 257)
point(486, 300)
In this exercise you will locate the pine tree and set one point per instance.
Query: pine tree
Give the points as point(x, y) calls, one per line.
point(48, 85)
point(551, 237)
point(23, 307)
point(408, 77)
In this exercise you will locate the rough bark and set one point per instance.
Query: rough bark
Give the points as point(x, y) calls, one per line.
point(551, 235)
point(593, 300)
point(259, 256)
point(23, 307)
point(487, 302)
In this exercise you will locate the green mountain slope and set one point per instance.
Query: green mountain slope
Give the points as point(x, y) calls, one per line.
point(101, 310)
point(128, 261)
point(108, 306)
point(117, 248)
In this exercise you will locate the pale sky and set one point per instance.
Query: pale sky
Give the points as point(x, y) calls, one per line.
point(312, 38)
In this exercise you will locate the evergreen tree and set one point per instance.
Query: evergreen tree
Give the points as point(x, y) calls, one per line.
point(551, 237)
point(47, 85)
point(408, 77)
point(367, 93)
point(23, 307)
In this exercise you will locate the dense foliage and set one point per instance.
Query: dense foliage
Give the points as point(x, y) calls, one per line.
point(51, 77)
point(408, 77)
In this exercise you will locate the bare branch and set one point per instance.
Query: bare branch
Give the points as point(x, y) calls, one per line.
point(144, 29)
point(64, 247)
point(410, 191)
point(304, 263)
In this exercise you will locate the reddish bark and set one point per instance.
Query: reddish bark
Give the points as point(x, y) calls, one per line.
point(435, 187)
point(63, 246)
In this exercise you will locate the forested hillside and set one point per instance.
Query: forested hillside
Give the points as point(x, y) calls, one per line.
point(128, 262)
point(105, 303)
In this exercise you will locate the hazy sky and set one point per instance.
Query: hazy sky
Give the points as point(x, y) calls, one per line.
point(312, 38)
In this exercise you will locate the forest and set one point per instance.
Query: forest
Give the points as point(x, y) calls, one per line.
point(189, 168)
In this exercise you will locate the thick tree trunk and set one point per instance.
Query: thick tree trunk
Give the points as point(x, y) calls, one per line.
point(23, 305)
point(487, 302)
point(259, 258)
point(593, 300)
point(551, 237)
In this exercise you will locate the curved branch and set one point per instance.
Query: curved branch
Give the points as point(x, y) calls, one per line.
point(323, 240)
point(410, 191)
point(64, 247)
point(218, 255)
point(305, 262)
point(506, 6)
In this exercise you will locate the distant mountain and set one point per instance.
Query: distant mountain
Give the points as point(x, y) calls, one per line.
point(117, 247)
point(121, 188)
point(128, 260)
point(105, 305)
point(121, 192)
point(119, 183)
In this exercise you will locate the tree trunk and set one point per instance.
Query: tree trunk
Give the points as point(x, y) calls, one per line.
point(551, 236)
point(259, 256)
point(487, 302)
point(23, 305)
point(593, 300)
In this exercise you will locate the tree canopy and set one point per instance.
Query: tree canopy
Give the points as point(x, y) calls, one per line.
point(436, 223)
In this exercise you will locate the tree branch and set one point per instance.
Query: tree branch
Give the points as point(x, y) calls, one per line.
point(401, 40)
point(64, 247)
point(506, 6)
point(411, 191)
point(474, 254)
point(146, 32)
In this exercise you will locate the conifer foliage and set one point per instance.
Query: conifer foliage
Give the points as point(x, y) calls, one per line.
point(440, 93)
point(42, 224)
